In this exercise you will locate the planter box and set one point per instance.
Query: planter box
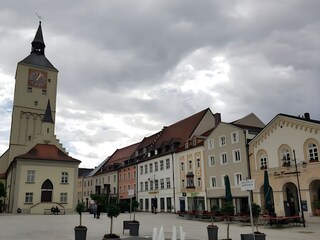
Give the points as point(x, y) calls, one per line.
point(212, 232)
point(80, 233)
point(134, 228)
point(249, 236)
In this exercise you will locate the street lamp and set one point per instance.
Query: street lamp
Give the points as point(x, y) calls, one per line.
point(298, 183)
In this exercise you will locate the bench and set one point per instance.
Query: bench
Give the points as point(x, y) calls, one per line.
point(48, 211)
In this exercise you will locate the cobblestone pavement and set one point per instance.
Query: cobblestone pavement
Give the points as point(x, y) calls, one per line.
point(61, 227)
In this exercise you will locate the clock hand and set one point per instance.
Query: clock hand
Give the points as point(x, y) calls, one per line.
point(38, 77)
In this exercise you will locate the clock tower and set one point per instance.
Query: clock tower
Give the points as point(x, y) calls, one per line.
point(34, 95)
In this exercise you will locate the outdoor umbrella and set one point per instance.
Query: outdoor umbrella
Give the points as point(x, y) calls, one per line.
point(228, 189)
point(268, 194)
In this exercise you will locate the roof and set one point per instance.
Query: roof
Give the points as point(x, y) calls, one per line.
point(181, 130)
point(37, 57)
point(47, 152)
point(83, 172)
point(48, 115)
point(250, 120)
point(121, 155)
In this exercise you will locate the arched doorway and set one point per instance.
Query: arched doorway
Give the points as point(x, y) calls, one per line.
point(291, 200)
point(46, 191)
point(315, 195)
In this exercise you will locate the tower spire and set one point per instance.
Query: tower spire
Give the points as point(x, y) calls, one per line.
point(38, 45)
point(48, 116)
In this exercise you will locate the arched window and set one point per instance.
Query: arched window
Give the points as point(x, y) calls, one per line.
point(285, 155)
point(190, 180)
point(262, 160)
point(313, 152)
point(46, 191)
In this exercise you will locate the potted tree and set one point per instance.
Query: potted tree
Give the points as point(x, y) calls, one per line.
point(113, 210)
point(228, 211)
point(80, 231)
point(256, 211)
point(134, 225)
point(213, 229)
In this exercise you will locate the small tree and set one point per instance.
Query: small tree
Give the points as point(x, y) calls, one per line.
point(228, 211)
point(214, 211)
point(256, 211)
point(113, 210)
point(135, 205)
point(80, 208)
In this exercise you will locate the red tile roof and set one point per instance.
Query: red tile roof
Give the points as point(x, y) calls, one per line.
point(181, 130)
point(2, 176)
point(47, 152)
point(120, 155)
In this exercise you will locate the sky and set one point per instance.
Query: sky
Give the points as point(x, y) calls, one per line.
point(129, 67)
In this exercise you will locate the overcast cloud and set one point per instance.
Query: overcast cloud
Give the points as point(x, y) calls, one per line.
point(128, 68)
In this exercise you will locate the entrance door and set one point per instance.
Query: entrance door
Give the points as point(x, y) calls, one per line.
point(182, 205)
point(46, 191)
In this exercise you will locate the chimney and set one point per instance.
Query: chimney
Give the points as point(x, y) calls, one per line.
point(307, 116)
point(217, 119)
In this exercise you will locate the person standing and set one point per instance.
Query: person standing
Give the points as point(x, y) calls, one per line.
point(99, 208)
point(94, 210)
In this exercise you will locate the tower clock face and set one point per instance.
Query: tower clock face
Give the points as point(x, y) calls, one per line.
point(37, 78)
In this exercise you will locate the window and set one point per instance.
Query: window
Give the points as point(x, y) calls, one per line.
point(168, 182)
point(313, 152)
point(156, 167)
point(198, 162)
point(190, 180)
point(199, 182)
point(64, 177)
point(129, 175)
point(211, 144)
point(190, 165)
point(146, 186)
point(213, 181)
point(182, 166)
point(167, 163)
point(237, 178)
point(285, 155)
point(161, 165)
point(151, 185)
point(236, 155)
point(162, 183)
point(182, 183)
point(28, 197)
point(263, 161)
point(212, 161)
point(222, 141)
point(141, 186)
point(44, 92)
point(150, 167)
point(35, 103)
point(124, 176)
point(30, 175)
point(63, 197)
point(223, 158)
point(114, 178)
point(146, 168)
point(234, 137)
point(129, 187)
point(141, 170)
point(156, 184)
point(29, 89)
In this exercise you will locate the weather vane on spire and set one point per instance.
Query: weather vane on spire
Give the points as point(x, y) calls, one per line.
point(40, 17)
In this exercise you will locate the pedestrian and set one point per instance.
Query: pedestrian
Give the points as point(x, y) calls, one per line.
point(94, 210)
point(99, 208)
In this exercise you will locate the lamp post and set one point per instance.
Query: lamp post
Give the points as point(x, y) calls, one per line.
point(299, 190)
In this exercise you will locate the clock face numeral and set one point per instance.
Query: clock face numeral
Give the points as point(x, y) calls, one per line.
point(37, 78)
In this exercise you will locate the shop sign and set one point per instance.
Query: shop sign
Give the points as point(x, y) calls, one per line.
point(282, 174)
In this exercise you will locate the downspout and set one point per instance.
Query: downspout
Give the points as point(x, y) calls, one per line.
point(173, 185)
